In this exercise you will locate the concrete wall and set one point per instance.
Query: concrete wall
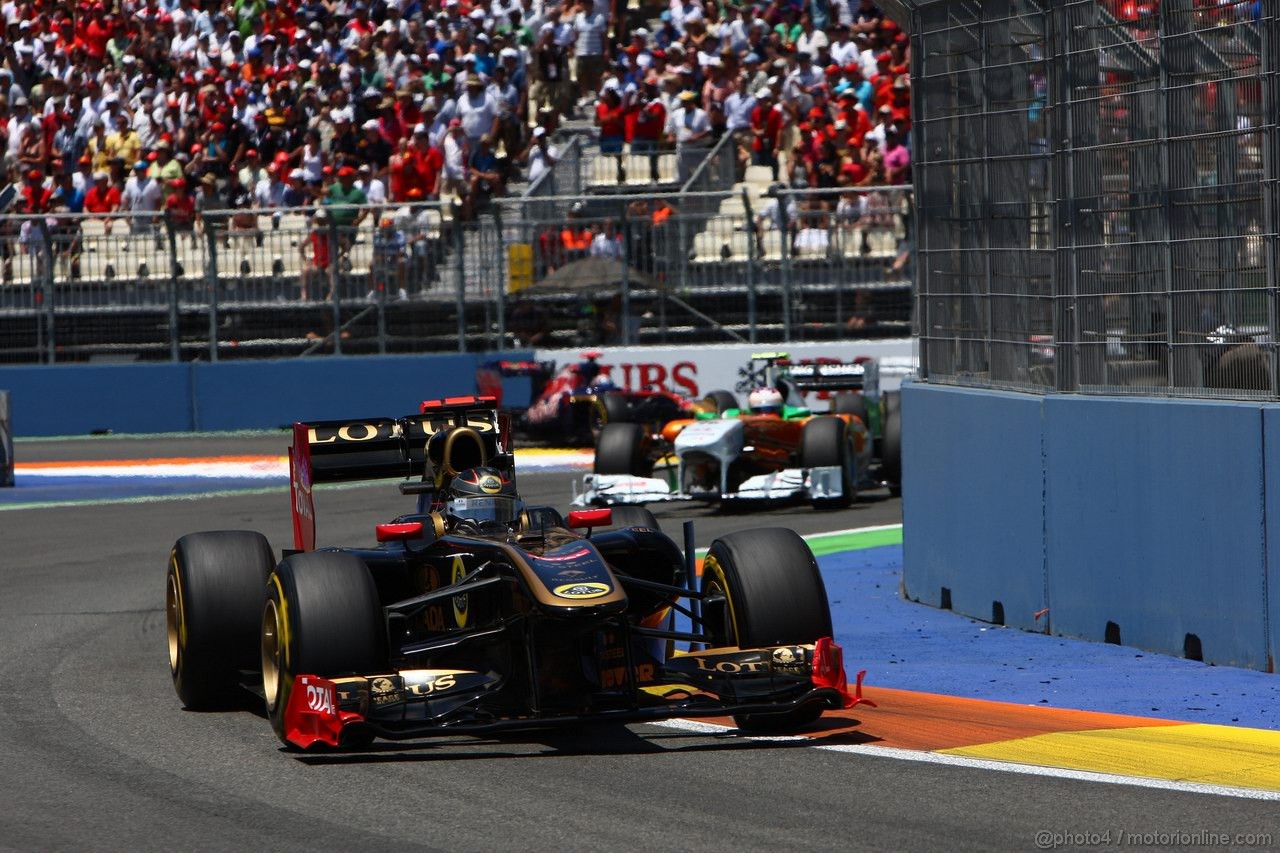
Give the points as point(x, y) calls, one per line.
point(1145, 521)
point(149, 398)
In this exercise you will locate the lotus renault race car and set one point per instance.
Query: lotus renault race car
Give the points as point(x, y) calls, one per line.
point(477, 612)
point(777, 449)
point(574, 402)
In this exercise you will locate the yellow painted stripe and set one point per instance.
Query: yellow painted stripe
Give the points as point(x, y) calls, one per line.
point(1220, 755)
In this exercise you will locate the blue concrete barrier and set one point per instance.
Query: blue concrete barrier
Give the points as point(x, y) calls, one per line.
point(197, 397)
point(973, 502)
point(1147, 522)
point(1154, 523)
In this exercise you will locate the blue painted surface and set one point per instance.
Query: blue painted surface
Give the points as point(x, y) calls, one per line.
point(1271, 481)
point(911, 647)
point(1155, 523)
point(972, 501)
point(148, 398)
point(36, 490)
point(77, 399)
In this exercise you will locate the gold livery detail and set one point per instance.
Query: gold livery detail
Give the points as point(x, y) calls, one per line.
point(582, 590)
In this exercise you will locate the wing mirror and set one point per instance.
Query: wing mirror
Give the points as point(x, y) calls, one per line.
point(590, 518)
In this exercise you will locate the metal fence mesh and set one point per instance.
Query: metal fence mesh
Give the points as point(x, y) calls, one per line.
point(1097, 195)
point(718, 264)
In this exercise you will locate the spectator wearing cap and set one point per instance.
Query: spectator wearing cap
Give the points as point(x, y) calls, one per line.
point(373, 149)
point(143, 198)
point(164, 168)
point(180, 208)
point(345, 144)
point(103, 199)
point(368, 182)
point(511, 112)
point(33, 153)
point(344, 201)
point(611, 119)
point(540, 155)
point(767, 122)
point(689, 129)
point(125, 142)
point(455, 162)
point(550, 86)
point(428, 163)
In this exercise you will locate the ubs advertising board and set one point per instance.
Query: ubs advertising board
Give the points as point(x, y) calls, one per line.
point(695, 371)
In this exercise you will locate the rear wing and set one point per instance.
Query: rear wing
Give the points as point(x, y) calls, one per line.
point(861, 374)
point(446, 437)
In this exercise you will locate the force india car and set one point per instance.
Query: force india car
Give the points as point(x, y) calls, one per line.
point(736, 455)
point(573, 403)
point(458, 621)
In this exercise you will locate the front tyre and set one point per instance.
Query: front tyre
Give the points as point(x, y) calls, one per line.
point(213, 599)
point(322, 617)
point(763, 588)
point(721, 400)
point(609, 409)
point(623, 449)
point(633, 516)
point(827, 443)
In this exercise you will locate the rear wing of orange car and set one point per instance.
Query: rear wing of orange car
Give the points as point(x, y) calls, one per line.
point(446, 437)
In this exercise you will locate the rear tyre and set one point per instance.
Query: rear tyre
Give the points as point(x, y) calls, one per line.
point(323, 618)
point(763, 588)
point(623, 449)
point(891, 443)
point(633, 516)
point(609, 409)
point(826, 442)
point(851, 404)
point(722, 400)
point(214, 589)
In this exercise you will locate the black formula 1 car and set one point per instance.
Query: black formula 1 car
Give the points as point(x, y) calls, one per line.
point(477, 613)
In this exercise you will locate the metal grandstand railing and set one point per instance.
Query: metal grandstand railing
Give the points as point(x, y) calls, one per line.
point(1098, 195)
point(401, 279)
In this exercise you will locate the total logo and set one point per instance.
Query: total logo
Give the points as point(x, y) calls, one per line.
point(583, 590)
point(320, 699)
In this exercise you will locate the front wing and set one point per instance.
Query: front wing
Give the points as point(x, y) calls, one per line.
point(714, 682)
point(786, 485)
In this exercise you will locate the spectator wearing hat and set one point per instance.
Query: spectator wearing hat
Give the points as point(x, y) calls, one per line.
point(479, 112)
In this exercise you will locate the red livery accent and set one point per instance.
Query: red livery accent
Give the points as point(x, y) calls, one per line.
point(312, 715)
point(828, 671)
point(398, 532)
point(590, 517)
point(304, 509)
point(451, 402)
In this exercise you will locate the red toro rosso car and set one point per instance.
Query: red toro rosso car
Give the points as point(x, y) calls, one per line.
point(478, 612)
point(576, 401)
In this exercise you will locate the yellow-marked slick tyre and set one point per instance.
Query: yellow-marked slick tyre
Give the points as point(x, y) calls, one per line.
point(322, 617)
point(623, 449)
point(214, 589)
point(827, 442)
point(608, 409)
point(722, 400)
point(763, 588)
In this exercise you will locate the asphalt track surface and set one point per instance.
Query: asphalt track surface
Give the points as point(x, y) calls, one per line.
point(97, 753)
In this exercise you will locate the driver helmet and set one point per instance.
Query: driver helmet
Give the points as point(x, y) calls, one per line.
point(483, 496)
point(765, 401)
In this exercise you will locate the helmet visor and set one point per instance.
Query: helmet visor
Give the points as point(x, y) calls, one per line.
point(481, 509)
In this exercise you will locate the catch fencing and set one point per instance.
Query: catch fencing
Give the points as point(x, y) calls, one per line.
point(703, 266)
point(1097, 190)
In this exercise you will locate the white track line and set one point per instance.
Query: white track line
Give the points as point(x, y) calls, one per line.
point(987, 764)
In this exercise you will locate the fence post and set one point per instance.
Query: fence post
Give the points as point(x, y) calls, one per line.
point(502, 278)
point(378, 277)
point(6, 443)
point(46, 288)
point(460, 280)
point(749, 227)
point(784, 223)
point(626, 280)
point(175, 352)
point(211, 279)
point(334, 278)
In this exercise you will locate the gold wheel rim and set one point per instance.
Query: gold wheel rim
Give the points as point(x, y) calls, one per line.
point(173, 620)
point(271, 654)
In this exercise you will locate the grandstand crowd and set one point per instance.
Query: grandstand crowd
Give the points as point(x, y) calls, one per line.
point(184, 106)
